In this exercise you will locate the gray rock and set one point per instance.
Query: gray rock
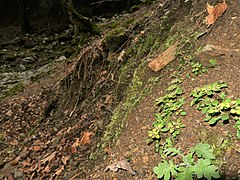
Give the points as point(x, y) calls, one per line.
point(54, 43)
point(28, 60)
point(22, 67)
point(18, 174)
point(61, 58)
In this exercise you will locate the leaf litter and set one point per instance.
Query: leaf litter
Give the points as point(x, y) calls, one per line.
point(121, 165)
point(214, 12)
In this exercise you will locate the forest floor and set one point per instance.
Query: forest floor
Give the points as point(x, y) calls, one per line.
point(42, 138)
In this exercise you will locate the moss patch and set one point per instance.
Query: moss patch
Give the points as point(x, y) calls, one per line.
point(13, 90)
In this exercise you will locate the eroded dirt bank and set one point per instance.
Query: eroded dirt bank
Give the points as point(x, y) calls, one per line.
point(97, 108)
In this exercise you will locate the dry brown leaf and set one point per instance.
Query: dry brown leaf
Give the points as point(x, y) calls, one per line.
point(9, 167)
point(108, 100)
point(76, 143)
point(86, 138)
point(73, 150)
point(214, 12)
point(36, 148)
point(59, 170)
point(123, 164)
point(33, 168)
point(47, 169)
point(210, 8)
point(65, 159)
point(25, 163)
point(14, 143)
point(48, 158)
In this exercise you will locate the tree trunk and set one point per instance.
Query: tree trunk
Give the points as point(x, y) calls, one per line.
point(24, 17)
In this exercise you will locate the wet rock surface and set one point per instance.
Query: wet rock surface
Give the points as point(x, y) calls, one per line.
point(27, 58)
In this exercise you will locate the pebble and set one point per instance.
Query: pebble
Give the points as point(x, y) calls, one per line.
point(28, 60)
point(18, 174)
point(61, 58)
point(22, 67)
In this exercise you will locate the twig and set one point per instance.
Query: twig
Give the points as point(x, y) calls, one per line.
point(72, 178)
point(100, 2)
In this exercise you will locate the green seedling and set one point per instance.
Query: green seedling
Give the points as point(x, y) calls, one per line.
point(165, 126)
point(198, 68)
point(215, 104)
point(196, 164)
point(212, 62)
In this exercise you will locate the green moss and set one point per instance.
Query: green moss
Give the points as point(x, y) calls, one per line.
point(115, 39)
point(138, 89)
point(134, 8)
point(218, 141)
point(121, 23)
point(133, 76)
point(4, 53)
point(13, 91)
point(38, 76)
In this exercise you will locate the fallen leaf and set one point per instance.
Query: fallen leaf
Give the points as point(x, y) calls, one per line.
point(13, 162)
point(73, 150)
point(36, 148)
point(9, 167)
point(210, 8)
point(76, 143)
point(65, 159)
point(47, 169)
point(86, 138)
point(33, 168)
point(9, 113)
point(14, 143)
point(10, 176)
point(164, 58)
point(121, 58)
point(25, 163)
point(109, 100)
point(124, 165)
point(59, 170)
point(214, 12)
point(48, 158)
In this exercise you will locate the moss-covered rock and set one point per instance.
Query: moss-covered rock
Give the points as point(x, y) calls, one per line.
point(115, 39)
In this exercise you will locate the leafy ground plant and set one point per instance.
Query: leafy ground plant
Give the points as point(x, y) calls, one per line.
point(215, 105)
point(198, 68)
point(167, 122)
point(196, 164)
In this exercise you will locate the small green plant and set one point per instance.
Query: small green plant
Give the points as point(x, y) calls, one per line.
point(215, 104)
point(212, 62)
point(197, 163)
point(168, 124)
point(198, 68)
point(200, 93)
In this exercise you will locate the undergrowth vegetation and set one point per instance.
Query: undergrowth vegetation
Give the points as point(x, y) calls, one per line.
point(197, 163)
point(214, 103)
point(167, 120)
point(211, 100)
